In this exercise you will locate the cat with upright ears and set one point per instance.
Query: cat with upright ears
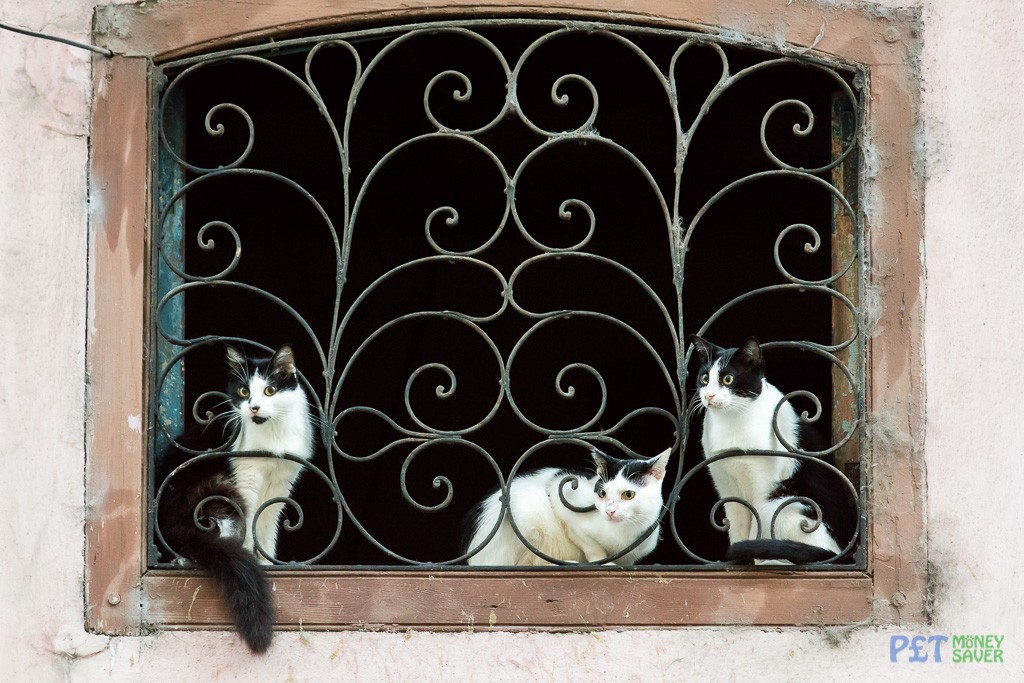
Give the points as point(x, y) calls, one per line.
point(740, 406)
point(270, 413)
point(620, 502)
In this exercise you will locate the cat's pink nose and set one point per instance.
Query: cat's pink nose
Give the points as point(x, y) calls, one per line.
point(709, 397)
point(254, 409)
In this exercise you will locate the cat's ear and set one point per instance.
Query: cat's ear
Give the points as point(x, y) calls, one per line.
point(750, 353)
point(602, 463)
point(284, 360)
point(659, 465)
point(706, 349)
point(236, 359)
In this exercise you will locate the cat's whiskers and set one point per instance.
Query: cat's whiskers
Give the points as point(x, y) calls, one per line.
point(693, 408)
point(233, 419)
point(241, 376)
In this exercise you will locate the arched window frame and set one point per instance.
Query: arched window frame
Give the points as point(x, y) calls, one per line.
point(122, 596)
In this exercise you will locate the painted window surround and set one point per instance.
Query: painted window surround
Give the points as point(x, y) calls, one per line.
point(123, 597)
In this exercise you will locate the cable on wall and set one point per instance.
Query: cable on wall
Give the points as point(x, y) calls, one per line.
point(35, 34)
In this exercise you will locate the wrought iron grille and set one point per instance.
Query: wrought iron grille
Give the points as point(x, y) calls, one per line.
point(488, 241)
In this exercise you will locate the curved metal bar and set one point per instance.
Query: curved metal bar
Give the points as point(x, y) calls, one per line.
point(647, 289)
point(336, 493)
point(441, 135)
point(308, 66)
point(843, 299)
point(416, 32)
point(452, 221)
point(351, 213)
point(726, 524)
point(336, 496)
point(210, 415)
point(761, 175)
point(411, 436)
point(675, 497)
point(407, 560)
point(561, 100)
point(281, 303)
point(441, 315)
point(575, 485)
point(219, 129)
point(809, 248)
point(448, 258)
point(563, 211)
point(604, 436)
point(208, 245)
point(567, 393)
point(804, 417)
point(286, 524)
point(197, 513)
point(731, 79)
point(439, 482)
point(807, 526)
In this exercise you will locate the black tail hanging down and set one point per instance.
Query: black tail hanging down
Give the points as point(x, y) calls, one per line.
point(243, 584)
point(768, 549)
point(206, 486)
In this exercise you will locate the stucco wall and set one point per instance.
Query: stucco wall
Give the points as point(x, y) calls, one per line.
point(972, 150)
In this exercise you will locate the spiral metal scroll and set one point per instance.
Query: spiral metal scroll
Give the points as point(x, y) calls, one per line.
point(454, 89)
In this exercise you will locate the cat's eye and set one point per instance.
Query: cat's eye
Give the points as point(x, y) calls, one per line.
point(727, 380)
point(601, 493)
point(269, 391)
point(704, 379)
point(628, 495)
point(243, 392)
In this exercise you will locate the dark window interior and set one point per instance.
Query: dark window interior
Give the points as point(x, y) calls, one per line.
point(287, 251)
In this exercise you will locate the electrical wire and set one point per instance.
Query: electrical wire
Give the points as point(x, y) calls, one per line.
point(35, 34)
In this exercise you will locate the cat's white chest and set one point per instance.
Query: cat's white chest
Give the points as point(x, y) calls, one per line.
point(750, 477)
point(293, 436)
point(750, 427)
point(264, 478)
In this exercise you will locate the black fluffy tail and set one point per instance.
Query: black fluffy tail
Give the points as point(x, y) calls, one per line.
point(768, 549)
point(243, 583)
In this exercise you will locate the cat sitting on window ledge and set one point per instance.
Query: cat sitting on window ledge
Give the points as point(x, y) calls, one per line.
point(270, 410)
point(739, 406)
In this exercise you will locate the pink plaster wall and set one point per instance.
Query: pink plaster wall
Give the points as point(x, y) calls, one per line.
point(972, 146)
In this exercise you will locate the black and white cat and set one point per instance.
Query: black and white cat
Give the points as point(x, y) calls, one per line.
point(739, 407)
point(270, 411)
point(627, 499)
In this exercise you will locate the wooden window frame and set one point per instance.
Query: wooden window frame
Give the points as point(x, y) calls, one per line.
point(123, 596)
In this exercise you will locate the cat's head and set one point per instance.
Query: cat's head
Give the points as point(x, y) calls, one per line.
point(729, 379)
point(262, 390)
point(629, 490)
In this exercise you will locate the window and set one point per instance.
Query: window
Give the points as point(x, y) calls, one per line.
point(525, 216)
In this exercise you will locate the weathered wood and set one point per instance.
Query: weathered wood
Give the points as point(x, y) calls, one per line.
point(507, 600)
point(845, 247)
point(171, 29)
point(896, 398)
point(116, 446)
